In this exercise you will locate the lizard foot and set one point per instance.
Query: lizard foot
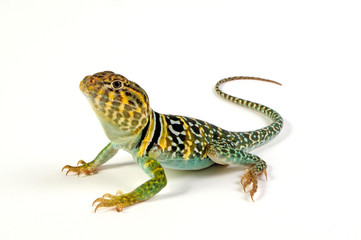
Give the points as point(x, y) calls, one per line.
point(250, 177)
point(83, 167)
point(119, 201)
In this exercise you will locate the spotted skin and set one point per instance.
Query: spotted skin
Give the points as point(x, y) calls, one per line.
point(157, 140)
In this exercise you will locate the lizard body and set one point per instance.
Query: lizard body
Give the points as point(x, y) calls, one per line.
point(157, 140)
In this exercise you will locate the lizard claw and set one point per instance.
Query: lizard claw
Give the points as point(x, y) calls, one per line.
point(249, 178)
point(265, 173)
point(107, 195)
point(119, 201)
point(81, 168)
point(80, 163)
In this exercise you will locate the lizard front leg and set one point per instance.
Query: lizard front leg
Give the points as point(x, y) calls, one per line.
point(88, 168)
point(224, 152)
point(145, 191)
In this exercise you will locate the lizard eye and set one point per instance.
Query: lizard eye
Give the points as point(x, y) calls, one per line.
point(117, 84)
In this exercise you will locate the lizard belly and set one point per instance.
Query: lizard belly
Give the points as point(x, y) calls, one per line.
point(186, 164)
point(179, 160)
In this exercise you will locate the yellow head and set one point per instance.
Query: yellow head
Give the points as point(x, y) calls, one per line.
point(121, 105)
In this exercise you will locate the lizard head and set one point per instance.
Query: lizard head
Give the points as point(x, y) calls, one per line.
point(122, 106)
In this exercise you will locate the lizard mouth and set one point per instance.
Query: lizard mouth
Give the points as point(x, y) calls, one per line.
point(81, 87)
point(86, 88)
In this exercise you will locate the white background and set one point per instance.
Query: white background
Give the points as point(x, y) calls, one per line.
point(177, 50)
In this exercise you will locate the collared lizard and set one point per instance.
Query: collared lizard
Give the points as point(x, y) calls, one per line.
point(157, 140)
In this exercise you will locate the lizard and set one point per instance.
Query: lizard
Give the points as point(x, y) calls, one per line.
point(157, 141)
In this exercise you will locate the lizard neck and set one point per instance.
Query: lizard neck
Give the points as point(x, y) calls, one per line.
point(124, 137)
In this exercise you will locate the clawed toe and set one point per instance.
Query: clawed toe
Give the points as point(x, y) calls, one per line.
point(81, 168)
point(102, 202)
point(265, 174)
point(110, 200)
point(250, 177)
point(66, 167)
point(81, 163)
point(246, 179)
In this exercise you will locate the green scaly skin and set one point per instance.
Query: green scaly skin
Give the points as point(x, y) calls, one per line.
point(157, 140)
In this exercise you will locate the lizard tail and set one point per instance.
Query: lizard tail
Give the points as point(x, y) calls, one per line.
point(260, 136)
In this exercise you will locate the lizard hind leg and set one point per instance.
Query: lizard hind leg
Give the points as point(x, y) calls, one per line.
point(226, 153)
